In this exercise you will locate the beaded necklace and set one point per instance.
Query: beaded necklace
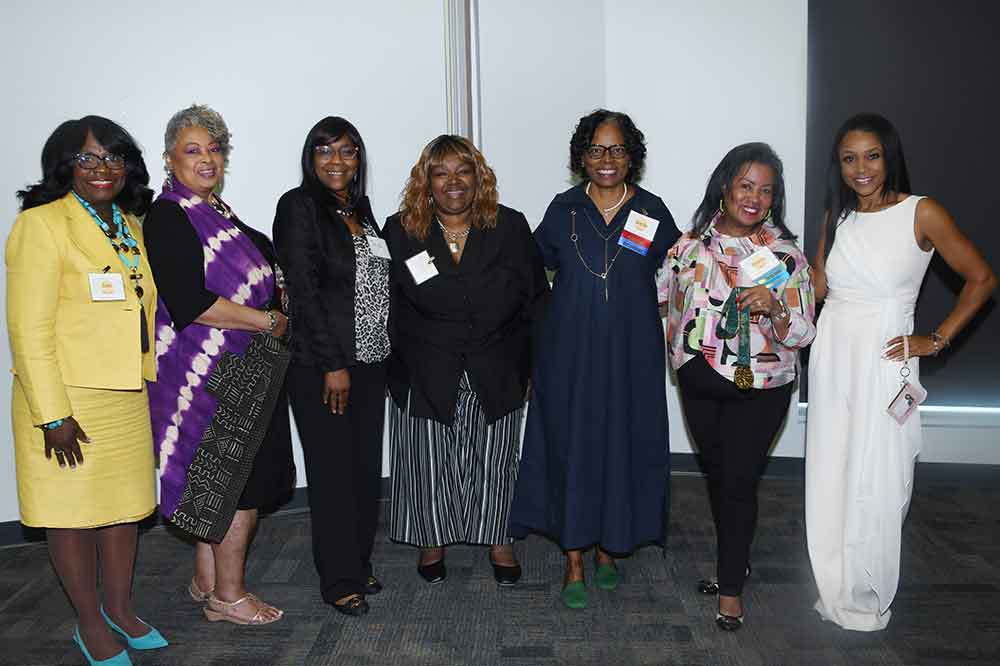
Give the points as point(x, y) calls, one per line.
point(127, 249)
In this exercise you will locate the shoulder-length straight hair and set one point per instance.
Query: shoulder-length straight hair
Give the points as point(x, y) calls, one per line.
point(731, 167)
point(59, 155)
point(327, 130)
point(841, 200)
point(417, 209)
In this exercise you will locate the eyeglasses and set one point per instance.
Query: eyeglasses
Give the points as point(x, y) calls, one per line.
point(595, 151)
point(325, 151)
point(90, 161)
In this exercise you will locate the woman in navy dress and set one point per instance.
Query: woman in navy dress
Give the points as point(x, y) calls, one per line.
point(595, 459)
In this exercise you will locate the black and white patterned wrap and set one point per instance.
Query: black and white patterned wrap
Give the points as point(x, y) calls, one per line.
point(371, 301)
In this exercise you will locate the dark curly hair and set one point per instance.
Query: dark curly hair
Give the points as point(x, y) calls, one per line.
point(583, 135)
point(730, 168)
point(57, 164)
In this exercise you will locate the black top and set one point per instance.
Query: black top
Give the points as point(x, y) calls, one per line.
point(177, 259)
point(474, 316)
point(316, 252)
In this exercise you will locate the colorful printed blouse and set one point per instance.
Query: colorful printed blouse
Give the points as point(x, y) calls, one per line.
point(695, 281)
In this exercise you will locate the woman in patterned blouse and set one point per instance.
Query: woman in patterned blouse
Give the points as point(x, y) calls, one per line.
point(741, 307)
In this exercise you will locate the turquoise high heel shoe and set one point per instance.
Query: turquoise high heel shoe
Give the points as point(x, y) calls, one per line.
point(120, 659)
point(151, 640)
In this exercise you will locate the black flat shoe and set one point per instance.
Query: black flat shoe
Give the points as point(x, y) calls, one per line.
point(728, 622)
point(506, 575)
point(434, 572)
point(372, 585)
point(355, 606)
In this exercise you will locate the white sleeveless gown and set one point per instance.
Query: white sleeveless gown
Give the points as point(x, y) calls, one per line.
point(859, 460)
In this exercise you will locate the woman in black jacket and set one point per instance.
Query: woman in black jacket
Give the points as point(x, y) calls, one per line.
point(337, 280)
point(467, 280)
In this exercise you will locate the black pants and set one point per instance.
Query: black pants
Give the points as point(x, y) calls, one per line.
point(343, 456)
point(733, 431)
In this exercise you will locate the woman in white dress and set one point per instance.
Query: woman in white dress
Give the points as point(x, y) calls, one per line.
point(874, 250)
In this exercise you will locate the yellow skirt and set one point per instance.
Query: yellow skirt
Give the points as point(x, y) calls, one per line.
point(115, 483)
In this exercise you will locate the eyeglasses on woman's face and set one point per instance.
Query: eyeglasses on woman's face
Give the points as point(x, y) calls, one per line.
point(596, 151)
point(90, 161)
point(326, 151)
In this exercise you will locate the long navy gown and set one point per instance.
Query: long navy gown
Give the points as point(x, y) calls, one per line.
point(595, 461)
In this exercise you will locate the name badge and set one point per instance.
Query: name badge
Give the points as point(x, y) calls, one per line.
point(763, 268)
point(638, 233)
point(421, 267)
point(379, 247)
point(106, 286)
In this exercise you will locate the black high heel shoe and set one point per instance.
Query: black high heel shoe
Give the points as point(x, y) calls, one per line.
point(711, 586)
point(506, 575)
point(434, 572)
point(728, 622)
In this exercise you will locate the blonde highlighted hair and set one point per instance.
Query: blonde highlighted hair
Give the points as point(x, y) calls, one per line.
point(417, 209)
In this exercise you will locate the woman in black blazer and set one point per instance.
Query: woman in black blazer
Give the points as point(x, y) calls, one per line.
point(467, 281)
point(337, 281)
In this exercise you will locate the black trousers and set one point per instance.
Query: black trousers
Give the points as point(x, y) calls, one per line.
point(343, 456)
point(733, 431)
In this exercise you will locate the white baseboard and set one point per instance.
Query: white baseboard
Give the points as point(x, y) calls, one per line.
point(968, 435)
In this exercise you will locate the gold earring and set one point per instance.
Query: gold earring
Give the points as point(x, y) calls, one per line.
point(768, 218)
point(722, 210)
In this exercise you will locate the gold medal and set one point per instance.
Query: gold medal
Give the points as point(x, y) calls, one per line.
point(743, 378)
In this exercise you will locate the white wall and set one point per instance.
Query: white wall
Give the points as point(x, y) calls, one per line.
point(271, 70)
point(542, 67)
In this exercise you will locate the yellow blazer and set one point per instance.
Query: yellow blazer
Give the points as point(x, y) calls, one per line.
point(59, 335)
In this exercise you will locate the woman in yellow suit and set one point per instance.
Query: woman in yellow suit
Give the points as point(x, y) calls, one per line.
point(80, 305)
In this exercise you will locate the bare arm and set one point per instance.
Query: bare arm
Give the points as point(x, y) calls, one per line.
point(819, 263)
point(226, 314)
point(935, 228)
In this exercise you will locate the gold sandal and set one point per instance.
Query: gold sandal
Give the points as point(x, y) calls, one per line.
point(197, 594)
point(216, 610)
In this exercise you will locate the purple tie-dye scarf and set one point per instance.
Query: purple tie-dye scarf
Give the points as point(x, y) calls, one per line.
point(180, 404)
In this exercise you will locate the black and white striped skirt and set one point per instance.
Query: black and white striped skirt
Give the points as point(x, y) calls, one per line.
point(453, 483)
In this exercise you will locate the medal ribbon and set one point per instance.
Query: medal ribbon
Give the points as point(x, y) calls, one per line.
point(736, 321)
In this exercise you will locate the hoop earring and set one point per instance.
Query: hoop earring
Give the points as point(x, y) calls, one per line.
point(768, 218)
point(722, 210)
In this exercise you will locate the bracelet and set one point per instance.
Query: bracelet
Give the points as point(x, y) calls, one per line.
point(939, 341)
point(52, 425)
point(272, 321)
point(784, 314)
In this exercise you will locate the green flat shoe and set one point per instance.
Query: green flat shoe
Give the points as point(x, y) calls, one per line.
point(607, 577)
point(574, 595)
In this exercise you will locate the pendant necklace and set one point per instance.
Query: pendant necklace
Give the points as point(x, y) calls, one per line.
point(127, 249)
point(220, 206)
point(453, 237)
point(607, 266)
point(620, 201)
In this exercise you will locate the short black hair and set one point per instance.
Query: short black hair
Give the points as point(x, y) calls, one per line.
point(583, 135)
point(724, 175)
point(58, 159)
point(326, 130)
point(841, 200)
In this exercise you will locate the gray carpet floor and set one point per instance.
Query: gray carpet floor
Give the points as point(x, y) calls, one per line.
point(945, 613)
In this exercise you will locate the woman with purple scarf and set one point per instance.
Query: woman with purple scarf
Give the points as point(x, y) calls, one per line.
point(218, 407)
